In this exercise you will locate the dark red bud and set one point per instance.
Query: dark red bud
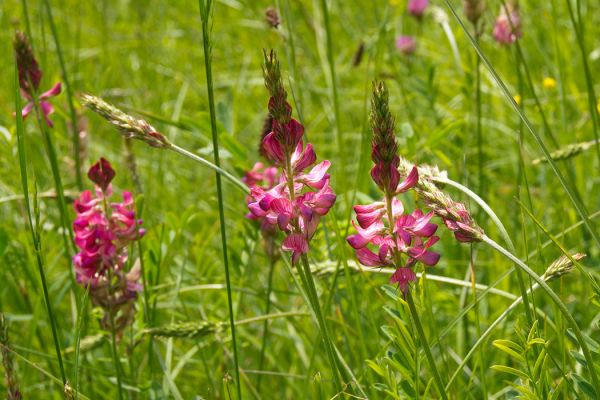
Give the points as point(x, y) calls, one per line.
point(101, 174)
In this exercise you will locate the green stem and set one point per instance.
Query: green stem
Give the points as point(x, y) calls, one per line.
point(205, 10)
point(34, 235)
point(334, 93)
point(263, 347)
point(561, 306)
point(314, 299)
point(115, 353)
point(73, 114)
point(425, 345)
point(586, 69)
point(238, 183)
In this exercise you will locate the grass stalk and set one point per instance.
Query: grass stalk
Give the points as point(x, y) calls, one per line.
point(205, 12)
point(263, 346)
point(35, 237)
point(425, 345)
point(69, 90)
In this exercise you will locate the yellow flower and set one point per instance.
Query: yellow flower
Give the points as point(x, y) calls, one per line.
point(549, 83)
point(517, 98)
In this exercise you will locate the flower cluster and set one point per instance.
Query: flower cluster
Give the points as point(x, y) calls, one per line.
point(507, 28)
point(400, 240)
point(394, 234)
point(103, 231)
point(30, 77)
point(290, 197)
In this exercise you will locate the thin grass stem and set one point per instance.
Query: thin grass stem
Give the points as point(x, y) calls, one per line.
point(205, 13)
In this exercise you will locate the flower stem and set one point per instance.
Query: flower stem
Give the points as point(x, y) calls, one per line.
point(115, 354)
point(561, 306)
point(425, 345)
point(263, 347)
point(205, 11)
point(314, 299)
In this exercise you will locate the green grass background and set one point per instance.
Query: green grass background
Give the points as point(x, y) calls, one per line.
point(147, 56)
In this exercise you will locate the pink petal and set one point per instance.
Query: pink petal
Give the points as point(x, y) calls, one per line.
point(403, 276)
point(304, 159)
point(411, 180)
point(55, 90)
point(368, 208)
point(316, 175)
point(368, 258)
point(47, 109)
point(357, 241)
point(27, 109)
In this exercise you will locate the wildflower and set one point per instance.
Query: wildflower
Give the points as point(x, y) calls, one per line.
point(30, 77)
point(406, 44)
point(386, 235)
point(103, 231)
point(417, 7)
point(286, 196)
point(549, 83)
point(473, 10)
point(272, 17)
point(507, 28)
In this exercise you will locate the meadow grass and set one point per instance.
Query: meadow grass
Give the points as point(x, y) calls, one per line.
point(218, 316)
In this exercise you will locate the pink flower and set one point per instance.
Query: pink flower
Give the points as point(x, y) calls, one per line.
point(289, 196)
point(406, 44)
point(46, 108)
point(507, 28)
point(417, 7)
point(101, 235)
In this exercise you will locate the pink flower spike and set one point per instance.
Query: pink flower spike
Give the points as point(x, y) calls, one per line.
point(54, 91)
point(406, 44)
point(409, 182)
point(403, 276)
point(297, 244)
point(417, 7)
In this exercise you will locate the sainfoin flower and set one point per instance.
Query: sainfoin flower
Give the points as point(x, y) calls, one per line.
point(103, 231)
point(406, 44)
point(292, 194)
point(507, 28)
point(30, 77)
point(417, 7)
point(386, 235)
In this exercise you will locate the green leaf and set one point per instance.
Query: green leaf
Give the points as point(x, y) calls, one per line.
point(510, 348)
point(585, 386)
point(512, 371)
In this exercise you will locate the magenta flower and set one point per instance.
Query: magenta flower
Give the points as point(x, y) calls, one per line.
point(507, 28)
point(289, 196)
point(46, 108)
point(417, 7)
point(103, 231)
point(386, 236)
point(406, 44)
point(30, 77)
